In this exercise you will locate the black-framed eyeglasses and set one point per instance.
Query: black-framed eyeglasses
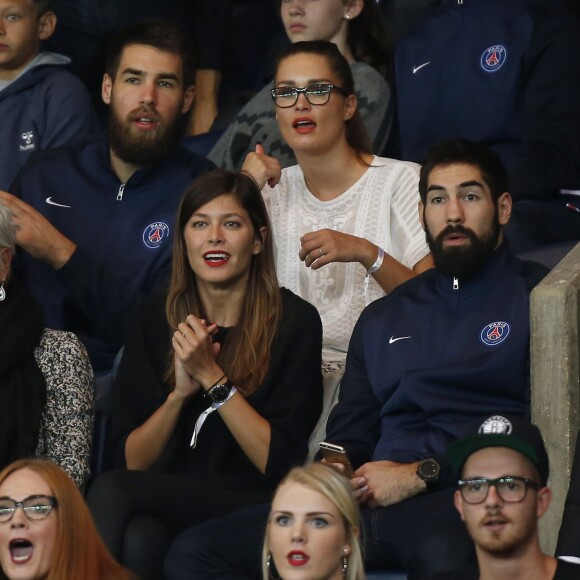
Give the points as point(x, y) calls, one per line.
point(510, 488)
point(35, 507)
point(317, 94)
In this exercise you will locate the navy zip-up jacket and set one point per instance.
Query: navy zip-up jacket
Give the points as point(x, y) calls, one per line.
point(123, 232)
point(46, 107)
point(502, 73)
point(432, 356)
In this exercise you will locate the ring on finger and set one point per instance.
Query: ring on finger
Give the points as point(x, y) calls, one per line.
point(321, 252)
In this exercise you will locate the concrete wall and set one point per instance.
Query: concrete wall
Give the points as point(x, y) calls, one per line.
point(555, 378)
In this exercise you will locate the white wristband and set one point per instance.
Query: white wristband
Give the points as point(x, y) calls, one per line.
point(201, 419)
point(378, 263)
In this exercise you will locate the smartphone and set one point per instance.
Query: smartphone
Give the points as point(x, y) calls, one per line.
point(337, 454)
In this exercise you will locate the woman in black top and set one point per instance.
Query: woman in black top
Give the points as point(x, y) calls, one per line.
point(219, 386)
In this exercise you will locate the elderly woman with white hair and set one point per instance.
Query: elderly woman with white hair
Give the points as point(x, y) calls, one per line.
point(46, 381)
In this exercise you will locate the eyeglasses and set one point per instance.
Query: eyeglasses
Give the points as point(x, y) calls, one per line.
point(35, 507)
point(318, 94)
point(511, 489)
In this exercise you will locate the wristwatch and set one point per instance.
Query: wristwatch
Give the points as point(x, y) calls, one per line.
point(429, 470)
point(219, 392)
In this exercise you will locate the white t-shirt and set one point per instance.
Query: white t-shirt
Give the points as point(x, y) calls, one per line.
point(381, 207)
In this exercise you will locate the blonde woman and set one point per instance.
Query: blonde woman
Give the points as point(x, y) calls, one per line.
point(313, 528)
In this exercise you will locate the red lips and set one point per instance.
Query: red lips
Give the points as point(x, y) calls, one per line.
point(297, 558)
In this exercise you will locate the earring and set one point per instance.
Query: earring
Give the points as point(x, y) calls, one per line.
point(347, 16)
point(344, 565)
point(272, 572)
point(2, 291)
point(256, 252)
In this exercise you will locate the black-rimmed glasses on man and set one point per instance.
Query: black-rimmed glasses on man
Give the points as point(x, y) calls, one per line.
point(318, 94)
point(510, 488)
point(35, 507)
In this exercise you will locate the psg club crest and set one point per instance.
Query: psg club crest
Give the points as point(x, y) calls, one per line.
point(495, 333)
point(496, 425)
point(155, 234)
point(493, 58)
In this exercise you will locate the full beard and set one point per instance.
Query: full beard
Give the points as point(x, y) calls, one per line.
point(143, 148)
point(466, 261)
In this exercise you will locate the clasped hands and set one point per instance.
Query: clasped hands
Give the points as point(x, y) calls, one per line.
point(195, 356)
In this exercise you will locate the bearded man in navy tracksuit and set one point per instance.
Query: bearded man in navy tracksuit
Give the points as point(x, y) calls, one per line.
point(444, 349)
point(96, 221)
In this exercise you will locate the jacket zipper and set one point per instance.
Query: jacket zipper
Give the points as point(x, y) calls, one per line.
point(120, 192)
point(455, 283)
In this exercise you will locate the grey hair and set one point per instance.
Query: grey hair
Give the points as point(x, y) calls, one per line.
point(7, 229)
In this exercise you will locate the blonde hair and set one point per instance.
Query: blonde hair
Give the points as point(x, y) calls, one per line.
point(78, 550)
point(332, 485)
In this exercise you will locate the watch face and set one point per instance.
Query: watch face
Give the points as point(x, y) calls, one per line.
point(429, 469)
point(219, 393)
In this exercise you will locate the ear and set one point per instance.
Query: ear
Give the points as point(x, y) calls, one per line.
point(106, 89)
point(349, 107)
point(353, 8)
point(5, 260)
point(46, 25)
point(543, 501)
point(421, 210)
point(188, 96)
point(457, 500)
point(259, 242)
point(504, 208)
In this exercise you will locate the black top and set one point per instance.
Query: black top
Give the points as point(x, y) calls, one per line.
point(290, 398)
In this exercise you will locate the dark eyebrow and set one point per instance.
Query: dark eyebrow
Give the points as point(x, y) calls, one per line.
point(463, 185)
point(308, 82)
point(140, 73)
point(470, 184)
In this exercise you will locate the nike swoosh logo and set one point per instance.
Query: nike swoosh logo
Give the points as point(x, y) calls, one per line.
point(393, 339)
point(50, 202)
point(418, 68)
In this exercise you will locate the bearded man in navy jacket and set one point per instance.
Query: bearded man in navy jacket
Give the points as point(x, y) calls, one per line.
point(96, 221)
point(444, 349)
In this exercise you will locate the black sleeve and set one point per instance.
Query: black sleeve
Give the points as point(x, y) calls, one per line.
point(354, 421)
point(138, 390)
point(295, 403)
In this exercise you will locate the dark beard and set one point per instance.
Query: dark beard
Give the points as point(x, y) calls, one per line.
point(147, 148)
point(464, 262)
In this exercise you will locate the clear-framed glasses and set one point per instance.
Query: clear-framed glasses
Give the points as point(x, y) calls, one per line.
point(35, 507)
point(510, 488)
point(317, 94)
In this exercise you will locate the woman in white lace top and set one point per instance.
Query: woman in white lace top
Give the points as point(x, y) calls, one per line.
point(345, 222)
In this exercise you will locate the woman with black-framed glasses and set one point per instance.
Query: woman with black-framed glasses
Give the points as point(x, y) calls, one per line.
point(46, 531)
point(356, 28)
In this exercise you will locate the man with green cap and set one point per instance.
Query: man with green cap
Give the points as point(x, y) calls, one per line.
point(501, 495)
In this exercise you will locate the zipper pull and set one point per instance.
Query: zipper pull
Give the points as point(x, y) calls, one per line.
point(455, 283)
point(460, 2)
point(120, 192)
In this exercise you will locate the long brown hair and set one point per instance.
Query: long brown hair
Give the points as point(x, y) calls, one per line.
point(245, 354)
point(356, 133)
point(78, 550)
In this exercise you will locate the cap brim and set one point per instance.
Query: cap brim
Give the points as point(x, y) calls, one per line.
point(459, 451)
